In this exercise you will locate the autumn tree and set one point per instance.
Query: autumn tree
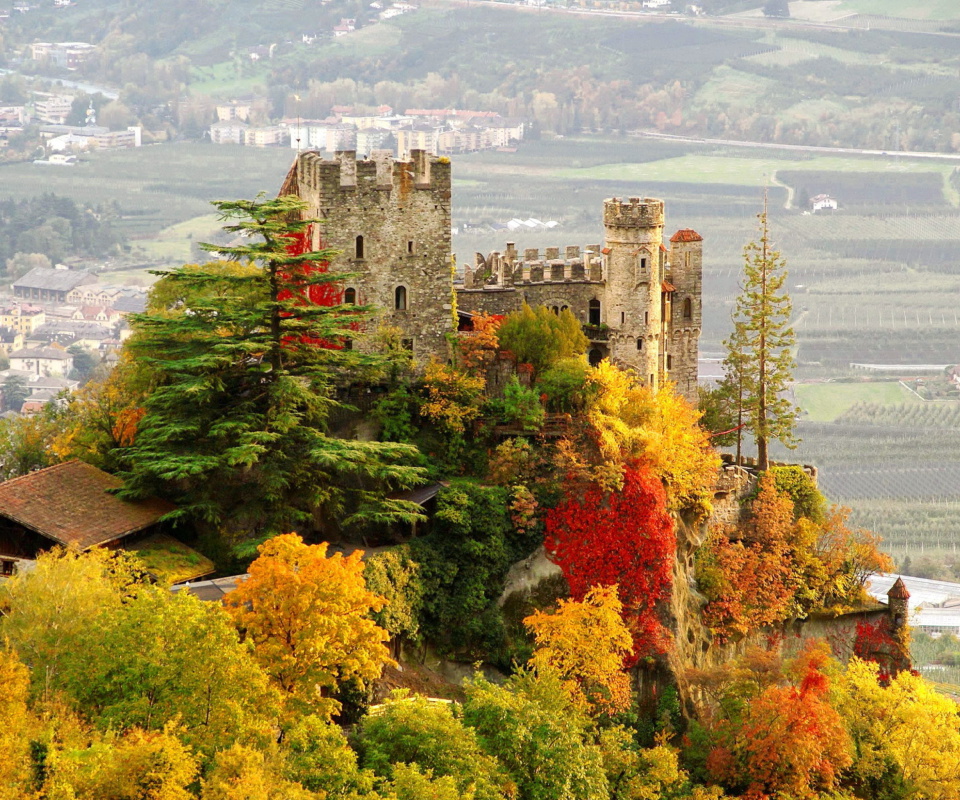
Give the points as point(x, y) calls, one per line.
point(906, 734)
point(760, 350)
point(307, 615)
point(102, 418)
point(786, 739)
point(414, 730)
point(747, 573)
point(477, 349)
point(543, 741)
point(629, 422)
point(14, 741)
point(586, 642)
point(162, 658)
point(47, 610)
point(624, 538)
point(539, 337)
point(243, 360)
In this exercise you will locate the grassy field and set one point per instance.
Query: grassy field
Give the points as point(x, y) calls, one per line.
point(824, 402)
point(908, 9)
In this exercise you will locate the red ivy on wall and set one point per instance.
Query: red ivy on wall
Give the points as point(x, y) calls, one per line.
point(601, 538)
point(317, 294)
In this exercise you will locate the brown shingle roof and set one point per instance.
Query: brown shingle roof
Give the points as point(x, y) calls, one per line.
point(71, 504)
point(686, 235)
point(899, 590)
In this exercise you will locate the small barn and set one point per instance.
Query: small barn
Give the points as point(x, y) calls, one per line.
point(71, 504)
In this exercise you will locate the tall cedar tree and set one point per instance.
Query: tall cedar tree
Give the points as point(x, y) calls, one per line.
point(243, 358)
point(760, 347)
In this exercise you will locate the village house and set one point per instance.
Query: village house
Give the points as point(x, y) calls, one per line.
point(72, 505)
point(10, 340)
point(23, 318)
point(42, 361)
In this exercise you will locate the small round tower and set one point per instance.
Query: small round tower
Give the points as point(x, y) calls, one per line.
point(897, 603)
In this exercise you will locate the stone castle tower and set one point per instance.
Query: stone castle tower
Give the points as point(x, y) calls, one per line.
point(651, 295)
point(639, 302)
point(390, 222)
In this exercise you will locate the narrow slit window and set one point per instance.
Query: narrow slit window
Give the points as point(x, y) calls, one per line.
point(400, 298)
point(359, 247)
point(410, 246)
point(350, 297)
point(688, 308)
point(639, 344)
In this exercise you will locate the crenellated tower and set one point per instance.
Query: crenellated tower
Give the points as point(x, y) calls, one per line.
point(390, 222)
point(635, 272)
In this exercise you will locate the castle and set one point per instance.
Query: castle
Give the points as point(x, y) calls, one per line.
point(639, 302)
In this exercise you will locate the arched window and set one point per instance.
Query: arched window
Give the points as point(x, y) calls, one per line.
point(594, 312)
point(595, 356)
point(350, 297)
point(359, 247)
point(556, 310)
point(400, 298)
point(688, 309)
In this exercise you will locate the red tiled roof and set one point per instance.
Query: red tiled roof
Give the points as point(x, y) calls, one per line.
point(667, 287)
point(71, 504)
point(686, 235)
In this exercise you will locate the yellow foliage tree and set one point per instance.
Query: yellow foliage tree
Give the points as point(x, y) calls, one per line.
point(242, 773)
point(453, 398)
point(907, 722)
point(47, 609)
point(14, 750)
point(586, 643)
point(143, 765)
point(308, 617)
point(631, 423)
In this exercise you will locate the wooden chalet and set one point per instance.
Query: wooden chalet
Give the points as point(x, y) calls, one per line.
point(71, 504)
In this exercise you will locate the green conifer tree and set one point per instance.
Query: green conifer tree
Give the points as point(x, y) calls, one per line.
point(760, 349)
point(243, 367)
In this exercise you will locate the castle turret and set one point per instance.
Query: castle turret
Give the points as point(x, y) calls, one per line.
point(686, 277)
point(634, 281)
point(897, 604)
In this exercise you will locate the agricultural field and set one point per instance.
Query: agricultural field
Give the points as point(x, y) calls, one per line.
point(825, 402)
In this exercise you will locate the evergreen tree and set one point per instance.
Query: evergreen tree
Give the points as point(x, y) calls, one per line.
point(243, 356)
point(760, 355)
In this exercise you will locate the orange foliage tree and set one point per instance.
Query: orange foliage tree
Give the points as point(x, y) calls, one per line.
point(586, 643)
point(749, 582)
point(308, 617)
point(478, 348)
point(774, 566)
point(624, 538)
point(787, 740)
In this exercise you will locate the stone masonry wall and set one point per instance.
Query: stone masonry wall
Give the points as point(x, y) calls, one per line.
point(390, 222)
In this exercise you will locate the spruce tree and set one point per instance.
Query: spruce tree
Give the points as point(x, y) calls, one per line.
point(760, 349)
point(243, 356)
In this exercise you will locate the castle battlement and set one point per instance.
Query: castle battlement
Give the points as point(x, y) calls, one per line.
point(633, 213)
point(333, 178)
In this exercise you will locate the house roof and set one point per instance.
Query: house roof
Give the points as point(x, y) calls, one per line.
point(49, 353)
point(686, 235)
point(71, 504)
point(57, 280)
point(132, 303)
